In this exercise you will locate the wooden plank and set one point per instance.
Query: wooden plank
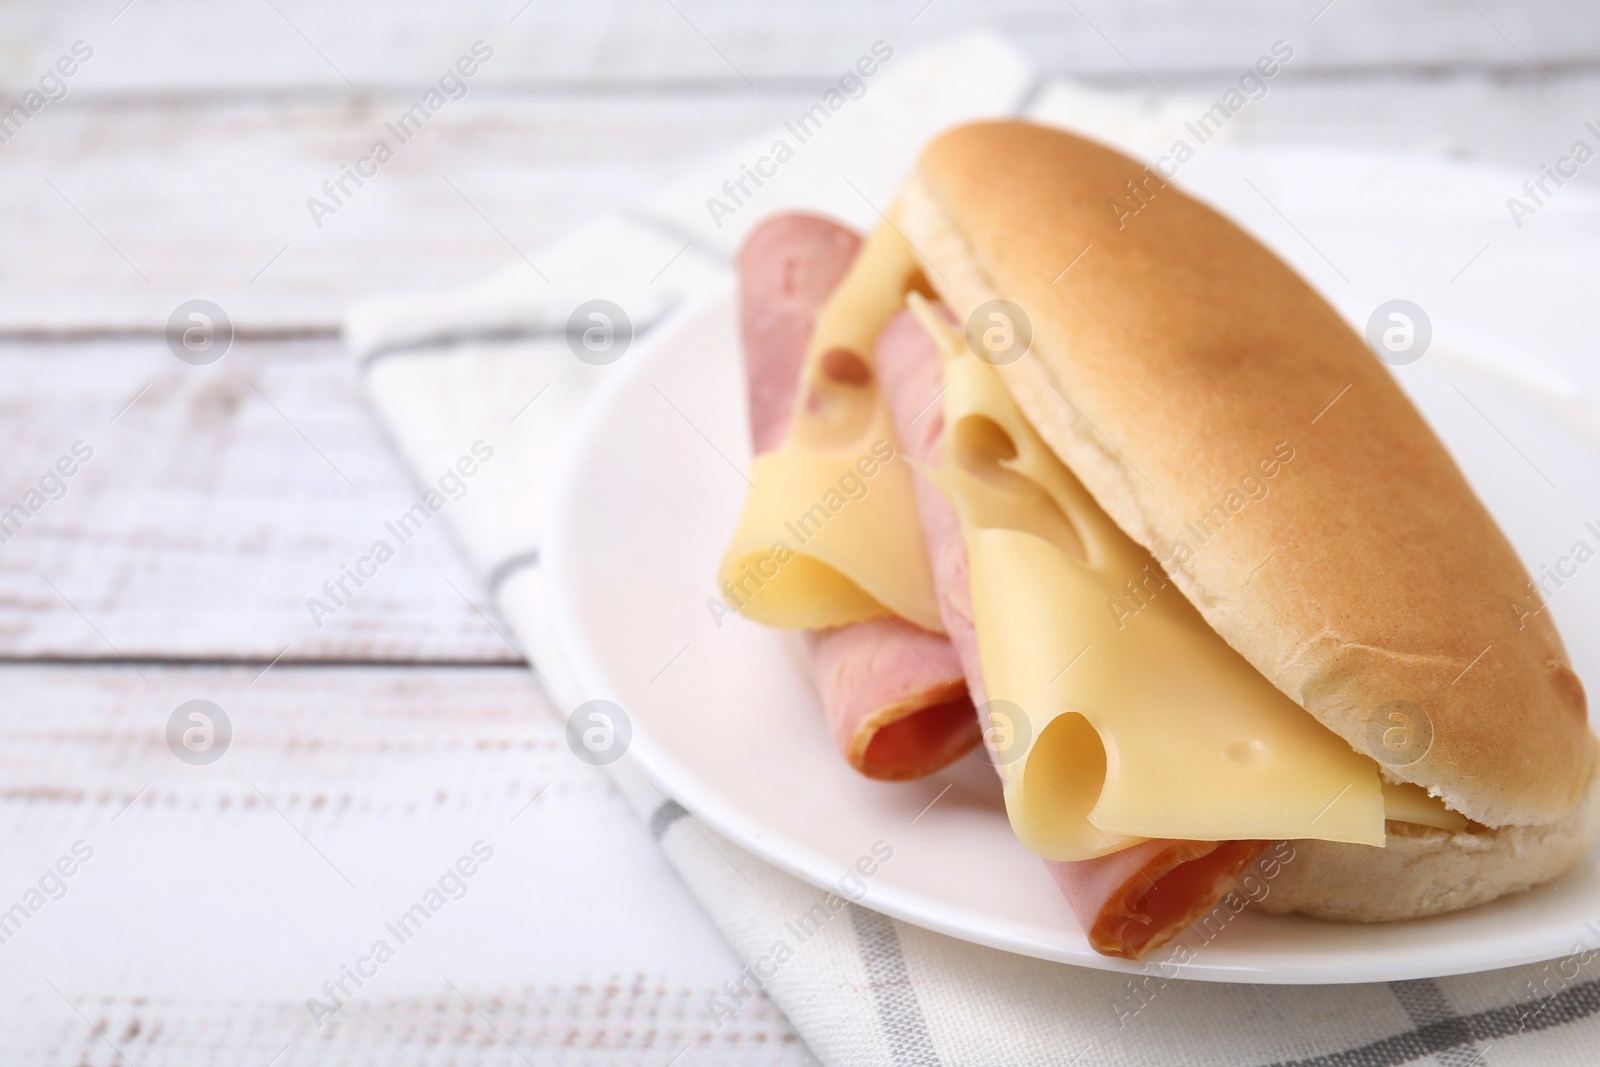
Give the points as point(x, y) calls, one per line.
point(210, 201)
point(217, 500)
point(216, 898)
point(144, 207)
point(1518, 124)
point(83, 740)
point(165, 46)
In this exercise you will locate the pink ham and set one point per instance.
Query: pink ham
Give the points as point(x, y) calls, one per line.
point(894, 694)
point(1129, 902)
point(1136, 900)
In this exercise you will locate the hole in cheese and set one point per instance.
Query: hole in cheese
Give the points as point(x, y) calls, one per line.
point(987, 451)
point(982, 445)
point(1066, 771)
point(845, 367)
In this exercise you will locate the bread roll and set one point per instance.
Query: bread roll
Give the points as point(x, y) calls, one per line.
point(1185, 374)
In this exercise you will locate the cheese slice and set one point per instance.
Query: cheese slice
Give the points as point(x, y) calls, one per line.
point(1405, 802)
point(1136, 719)
point(829, 533)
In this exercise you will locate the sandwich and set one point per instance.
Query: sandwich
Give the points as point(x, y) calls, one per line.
point(1119, 497)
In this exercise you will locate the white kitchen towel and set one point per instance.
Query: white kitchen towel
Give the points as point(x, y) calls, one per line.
point(492, 366)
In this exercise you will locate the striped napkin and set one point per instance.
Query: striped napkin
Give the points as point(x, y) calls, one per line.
point(493, 364)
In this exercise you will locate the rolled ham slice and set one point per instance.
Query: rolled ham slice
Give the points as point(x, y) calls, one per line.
point(1136, 900)
point(895, 695)
point(1128, 902)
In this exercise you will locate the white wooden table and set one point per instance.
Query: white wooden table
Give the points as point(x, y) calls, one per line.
point(374, 750)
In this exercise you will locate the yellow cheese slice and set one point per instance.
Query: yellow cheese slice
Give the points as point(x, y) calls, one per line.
point(1404, 802)
point(1138, 720)
point(829, 533)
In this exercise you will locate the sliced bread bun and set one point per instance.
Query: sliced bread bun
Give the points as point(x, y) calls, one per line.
point(1426, 871)
point(1175, 362)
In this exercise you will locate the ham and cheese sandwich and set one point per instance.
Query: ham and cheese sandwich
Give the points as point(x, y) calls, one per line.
point(894, 695)
point(1211, 579)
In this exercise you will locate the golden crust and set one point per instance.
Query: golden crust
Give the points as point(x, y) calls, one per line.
point(1177, 358)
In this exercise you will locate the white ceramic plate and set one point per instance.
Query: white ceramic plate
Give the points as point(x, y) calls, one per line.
point(724, 716)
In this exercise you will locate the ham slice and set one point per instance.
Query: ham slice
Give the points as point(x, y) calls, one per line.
point(894, 694)
point(1129, 902)
point(1142, 897)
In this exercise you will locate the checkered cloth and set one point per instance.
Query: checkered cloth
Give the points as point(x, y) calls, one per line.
point(864, 988)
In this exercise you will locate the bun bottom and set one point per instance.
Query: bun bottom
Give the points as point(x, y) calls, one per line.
point(1426, 871)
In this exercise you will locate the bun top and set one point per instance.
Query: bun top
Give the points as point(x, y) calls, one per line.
point(1230, 421)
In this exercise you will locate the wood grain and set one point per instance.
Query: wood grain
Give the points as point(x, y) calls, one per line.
point(124, 213)
point(218, 897)
point(217, 501)
point(193, 200)
point(165, 46)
